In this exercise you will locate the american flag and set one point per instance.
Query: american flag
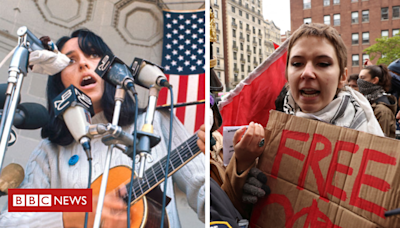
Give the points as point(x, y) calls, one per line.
point(183, 60)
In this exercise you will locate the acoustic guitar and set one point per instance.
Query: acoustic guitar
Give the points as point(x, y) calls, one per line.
point(146, 211)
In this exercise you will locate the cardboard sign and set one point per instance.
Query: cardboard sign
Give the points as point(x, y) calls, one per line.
point(322, 175)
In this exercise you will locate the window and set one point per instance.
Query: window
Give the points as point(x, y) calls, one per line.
point(259, 21)
point(234, 43)
point(395, 32)
point(233, 9)
point(307, 20)
point(365, 37)
point(336, 19)
point(218, 62)
point(306, 4)
point(219, 75)
point(365, 57)
point(354, 38)
point(240, 13)
point(248, 69)
point(247, 5)
point(354, 0)
point(216, 13)
point(355, 60)
point(385, 33)
point(336, 2)
point(384, 13)
point(235, 76)
point(252, 9)
point(365, 16)
point(259, 42)
point(260, 60)
point(242, 76)
point(254, 51)
point(241, 46)
point(327, 19)
point(248, 38)
point(242, 67)
point(215, 2)
point(247, 16)
point(233, 32)
point(248, 58)
point(396, 12)
point(240, 24)
point(254, 19)
point(235, 56)
point(327, 2)
point(217, 50)
point(354, 17)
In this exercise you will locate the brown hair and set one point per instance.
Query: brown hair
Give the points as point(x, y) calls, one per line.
point(353, 77)
point(323, 31)
point(382, 72)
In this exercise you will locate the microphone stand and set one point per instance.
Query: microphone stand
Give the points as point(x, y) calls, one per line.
point(119, 98)
point(17, 70)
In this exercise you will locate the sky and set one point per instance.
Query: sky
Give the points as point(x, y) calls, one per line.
point(279, 12)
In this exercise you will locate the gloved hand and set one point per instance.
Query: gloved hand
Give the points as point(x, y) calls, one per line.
point(255, 186)
point(47, 62)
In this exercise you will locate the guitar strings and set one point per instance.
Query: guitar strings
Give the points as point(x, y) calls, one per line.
point(156, 172)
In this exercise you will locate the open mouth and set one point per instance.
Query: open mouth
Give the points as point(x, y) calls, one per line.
point(309, 92)
point(88, 80)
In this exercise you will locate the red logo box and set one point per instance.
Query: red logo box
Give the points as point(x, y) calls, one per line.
point(50, 200)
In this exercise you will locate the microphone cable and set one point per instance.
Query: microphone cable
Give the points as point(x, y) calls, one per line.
point(88, 151)
point(133, 95)
point(168, 155)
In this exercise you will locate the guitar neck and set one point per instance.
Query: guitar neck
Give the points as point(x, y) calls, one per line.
point(154, 175)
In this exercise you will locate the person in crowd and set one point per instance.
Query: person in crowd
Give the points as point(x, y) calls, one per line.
point(316, 73)
point(374, 82)
point(50, 165)
point(352, 81)
point(394, 69)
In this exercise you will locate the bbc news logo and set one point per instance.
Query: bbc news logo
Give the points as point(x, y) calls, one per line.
point(50, 200)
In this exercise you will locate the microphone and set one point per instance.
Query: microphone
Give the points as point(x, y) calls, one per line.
point(148, 74)
point(76, 109)
point(3, 95)
point(30, 116)
point(114, 71)
point(11, 177)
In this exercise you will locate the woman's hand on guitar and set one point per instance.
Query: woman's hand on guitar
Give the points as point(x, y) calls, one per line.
point(201, 141)
point(112, 215)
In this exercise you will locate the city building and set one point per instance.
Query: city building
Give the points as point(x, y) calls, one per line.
point(359, 22)
point(244, 39)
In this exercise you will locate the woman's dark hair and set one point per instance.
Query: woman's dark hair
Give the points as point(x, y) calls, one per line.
point(56, 130)
point(352, 77)
point(382, 72)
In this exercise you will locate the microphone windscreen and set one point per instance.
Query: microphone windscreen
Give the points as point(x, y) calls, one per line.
point(11, 177)
point(36, 116)
point(3, 89)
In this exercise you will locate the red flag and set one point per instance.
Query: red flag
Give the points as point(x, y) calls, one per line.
point(255, 96)
point(275, 45)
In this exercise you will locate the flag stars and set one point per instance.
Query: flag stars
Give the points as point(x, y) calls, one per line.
point(181, 17)
point(193, 68)
point(201, 20)
point(181, 37)
point(193, 57)
point(181, 47)
point(173, 63)
point(201, 40)
point(181, 27)
point(168, 46)
point(201, 30)
point(187, 52)
point(194, 36)
point(175, 31)
point(194, 16)
point(168, 15)
point(175, 41)
point(187, 31)
point(180, 58)
point(167, 57)
point(175, 21)
point(188, 22)
point(194, 46)
point(180, 68)
point(187, 42)
point(167, 67)
point(194, 26)
point(199, 62)
point(187, 63)
point(169, 25)
point(174, 52)
point(169, 35)
point(200, 51)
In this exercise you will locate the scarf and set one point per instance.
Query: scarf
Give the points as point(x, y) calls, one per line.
point(349, 109)
point(370, 90)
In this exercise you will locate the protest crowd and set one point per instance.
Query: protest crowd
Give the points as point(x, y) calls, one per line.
point(317, 87)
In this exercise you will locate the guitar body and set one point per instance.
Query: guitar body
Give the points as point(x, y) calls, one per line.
point(146, 212)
